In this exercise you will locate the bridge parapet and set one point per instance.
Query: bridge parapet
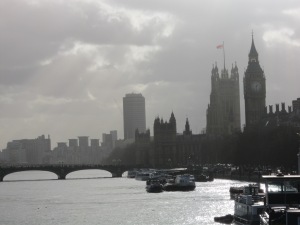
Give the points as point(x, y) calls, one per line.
point(62, 170)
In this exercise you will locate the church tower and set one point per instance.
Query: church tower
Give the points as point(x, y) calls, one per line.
point(254, 89)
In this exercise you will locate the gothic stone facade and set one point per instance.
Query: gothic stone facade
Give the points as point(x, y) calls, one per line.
point(254, 90)
point(223, 112)
point(168, 149)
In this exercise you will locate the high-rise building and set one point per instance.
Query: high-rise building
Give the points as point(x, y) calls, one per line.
point(254, 90)
point(223, 112)
point(134, 114)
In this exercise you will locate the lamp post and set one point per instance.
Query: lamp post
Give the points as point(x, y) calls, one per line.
point(298, 153)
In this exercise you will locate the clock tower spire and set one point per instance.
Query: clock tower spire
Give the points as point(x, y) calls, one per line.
point(254, 89)
point(253, 55)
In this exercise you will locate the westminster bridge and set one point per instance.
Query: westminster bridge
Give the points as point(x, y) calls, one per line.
point(62, 170)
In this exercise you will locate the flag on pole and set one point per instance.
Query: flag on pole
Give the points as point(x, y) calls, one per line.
point(220, 46)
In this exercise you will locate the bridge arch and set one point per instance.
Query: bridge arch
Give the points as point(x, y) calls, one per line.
point(88, 173)
point(29, 175)
point(63, 170)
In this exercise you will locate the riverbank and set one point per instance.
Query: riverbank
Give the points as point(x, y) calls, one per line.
point(247, 178)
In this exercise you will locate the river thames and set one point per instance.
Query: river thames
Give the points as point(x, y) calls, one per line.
point(91, 197)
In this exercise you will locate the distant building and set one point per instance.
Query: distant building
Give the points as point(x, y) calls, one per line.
point(282, 117)
point(75, 153)
point(167, 148)
point(223, 112)
point(83, 141)
point(254, 90)
point(32, 151)
point(73, 143)
point(134, 115)
point(296, 106)
point(114, 137)
point(95, 143)
point(143, 148)
point(109, 142)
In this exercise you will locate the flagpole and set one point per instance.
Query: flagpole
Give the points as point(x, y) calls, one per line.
point(224, 54)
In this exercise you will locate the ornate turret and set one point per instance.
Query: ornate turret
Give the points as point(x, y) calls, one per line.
point(215, 72)
point(187, 130)
point(235, 72)
point(156, 123)
point(172, 119)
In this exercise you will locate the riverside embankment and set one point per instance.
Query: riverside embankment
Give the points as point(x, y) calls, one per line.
point(239, 177)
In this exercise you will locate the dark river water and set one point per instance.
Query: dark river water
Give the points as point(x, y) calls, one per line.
point(92, 197)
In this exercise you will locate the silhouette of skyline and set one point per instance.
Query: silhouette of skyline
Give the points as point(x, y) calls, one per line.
point(65, 66)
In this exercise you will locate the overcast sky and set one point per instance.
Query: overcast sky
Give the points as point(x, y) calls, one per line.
point(65, 65)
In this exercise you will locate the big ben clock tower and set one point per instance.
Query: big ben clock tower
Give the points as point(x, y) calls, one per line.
point(254, 89)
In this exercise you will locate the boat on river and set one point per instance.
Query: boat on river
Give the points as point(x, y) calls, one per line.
point(203, 178)
point(282, 200)
point(228, 219)
point(235, 190)
point(184, 182)
point(143, 174)
point(159, 175)
point(131, 173)
point(154, 186)
point(248, 205)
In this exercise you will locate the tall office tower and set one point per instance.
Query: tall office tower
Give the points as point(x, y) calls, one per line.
point(134, 115)
point(254, 90)
point(223, 112)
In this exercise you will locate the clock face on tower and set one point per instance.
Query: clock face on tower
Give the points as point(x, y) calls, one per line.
point(256, 86)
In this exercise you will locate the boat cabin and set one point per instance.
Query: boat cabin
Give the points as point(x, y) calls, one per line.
point(282, 200)
point(282, 190)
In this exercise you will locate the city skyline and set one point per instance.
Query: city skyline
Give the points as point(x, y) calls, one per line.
point(65, 66)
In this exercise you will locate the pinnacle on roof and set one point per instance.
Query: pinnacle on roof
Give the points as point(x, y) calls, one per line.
point(253, 53)
point(172, 118)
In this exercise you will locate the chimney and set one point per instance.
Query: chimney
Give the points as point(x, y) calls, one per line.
point(283, 107)
point(277, 108)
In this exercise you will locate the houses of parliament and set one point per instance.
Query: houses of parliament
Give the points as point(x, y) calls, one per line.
point(223, 112)
point(223, 117)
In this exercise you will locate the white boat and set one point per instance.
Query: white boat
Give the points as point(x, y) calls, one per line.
point(282, 200)
point(185, 182)
point(159, 175)
point(248, 205)
point(143, 175)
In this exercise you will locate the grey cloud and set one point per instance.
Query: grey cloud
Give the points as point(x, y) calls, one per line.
point(73, 61)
